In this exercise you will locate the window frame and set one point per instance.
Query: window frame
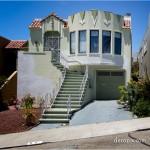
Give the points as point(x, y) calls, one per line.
point(97, 43)
point(71, 52)
point(110, 41)
point(115, 52)
point(79, 41)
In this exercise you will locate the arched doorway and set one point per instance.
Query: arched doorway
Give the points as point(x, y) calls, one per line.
point(52, 43)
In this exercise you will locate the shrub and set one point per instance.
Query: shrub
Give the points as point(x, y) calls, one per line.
point(27, 103)
point(123, 92)
point(142, 108)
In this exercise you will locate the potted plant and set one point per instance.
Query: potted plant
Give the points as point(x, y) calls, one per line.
point(27, 103)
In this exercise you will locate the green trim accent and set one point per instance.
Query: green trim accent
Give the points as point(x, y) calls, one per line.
point(82, 15)
point(107, 15)
point(72, 18)
point(94, 13)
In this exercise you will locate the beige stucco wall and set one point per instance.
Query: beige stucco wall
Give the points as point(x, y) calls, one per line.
point(36, 74)
point(35, 35)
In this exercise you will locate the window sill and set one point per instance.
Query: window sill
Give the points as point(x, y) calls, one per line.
point(94, 54)
point(72, 55)
point(82, 54)
point(35, 53)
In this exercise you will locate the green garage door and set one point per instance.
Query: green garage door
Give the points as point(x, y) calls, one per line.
point(107, 85)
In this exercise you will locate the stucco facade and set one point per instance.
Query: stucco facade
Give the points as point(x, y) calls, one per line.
point(82, 40)
point(144, 54)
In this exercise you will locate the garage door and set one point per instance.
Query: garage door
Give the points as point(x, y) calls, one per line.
point(107, 85)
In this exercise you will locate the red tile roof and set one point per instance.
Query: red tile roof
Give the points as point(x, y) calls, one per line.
point(16, 44)
point(54, 15)
point(36, 23)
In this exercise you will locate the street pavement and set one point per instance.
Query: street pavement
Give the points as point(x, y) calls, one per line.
point(81, 133)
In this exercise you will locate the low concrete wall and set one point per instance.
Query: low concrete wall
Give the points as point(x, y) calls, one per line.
point(36, 74)
point(9, 88)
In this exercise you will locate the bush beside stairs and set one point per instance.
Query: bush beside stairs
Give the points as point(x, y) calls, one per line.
point(71, 85)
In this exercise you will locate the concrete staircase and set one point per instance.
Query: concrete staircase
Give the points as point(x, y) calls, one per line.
point(71, 85)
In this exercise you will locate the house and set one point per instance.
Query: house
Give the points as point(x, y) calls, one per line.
point(144, 54)
point(82, 58)
point(8, 66)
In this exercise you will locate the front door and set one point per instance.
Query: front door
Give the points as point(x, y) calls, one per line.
point(52, 43)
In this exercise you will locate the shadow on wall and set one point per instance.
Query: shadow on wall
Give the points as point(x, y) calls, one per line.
point(36, 38)
point(66, 33)
point(127, 37)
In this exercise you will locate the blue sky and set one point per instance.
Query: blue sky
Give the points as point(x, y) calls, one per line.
point(16, 16)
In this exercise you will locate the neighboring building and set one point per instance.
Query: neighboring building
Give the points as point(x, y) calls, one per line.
point(3, 44)
point(144, 54)
point(8, 54)
point(8, 66)
point(97, 39)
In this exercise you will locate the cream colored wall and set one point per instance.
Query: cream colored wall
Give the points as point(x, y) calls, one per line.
point(113, 24)
point(100, 25)
point(35, 35)
point(36, 74)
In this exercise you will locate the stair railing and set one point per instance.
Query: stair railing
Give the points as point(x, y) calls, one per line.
point(58, 86)
point(47, 102)
point(68, 106)
point(83, 83)
point(63, 60)
point(55, 55)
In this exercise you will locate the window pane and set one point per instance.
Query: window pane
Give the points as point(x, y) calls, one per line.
point(82, 41)
point(116, 73)
point(94, 38)
point(103, 73)
point(106, 41)
point(118, 43)
point(72, 43)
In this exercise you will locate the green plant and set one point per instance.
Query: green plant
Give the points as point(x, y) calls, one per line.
point(142, 108)
point(123, 92)
point(27, 103)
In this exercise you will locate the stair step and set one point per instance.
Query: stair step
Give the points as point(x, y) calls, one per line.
point(71, 83)
point(68, 92)
point(57, 111)
point(66, 98)
point(65, 106)
point(58, 116)
point(74, 77)
point(70, 86)
point(69, 89)
point(67, 95)
point(64, 102)
point(73, 80)
point(54, 120)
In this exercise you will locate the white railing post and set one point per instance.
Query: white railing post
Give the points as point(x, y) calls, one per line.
point(47, 102)
point(83, 83)
point(68, 106)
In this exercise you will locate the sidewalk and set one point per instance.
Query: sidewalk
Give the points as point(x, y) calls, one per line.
point(73, 132)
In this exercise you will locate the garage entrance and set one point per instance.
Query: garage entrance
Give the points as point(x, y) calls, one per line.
point(107, 83)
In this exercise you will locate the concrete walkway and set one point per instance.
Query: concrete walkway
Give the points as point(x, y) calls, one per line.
point(73, 132)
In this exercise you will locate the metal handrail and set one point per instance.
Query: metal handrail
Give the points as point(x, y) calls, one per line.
point(55, 55)
point(83, 83)
point(47, 102)
point(68, 106)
